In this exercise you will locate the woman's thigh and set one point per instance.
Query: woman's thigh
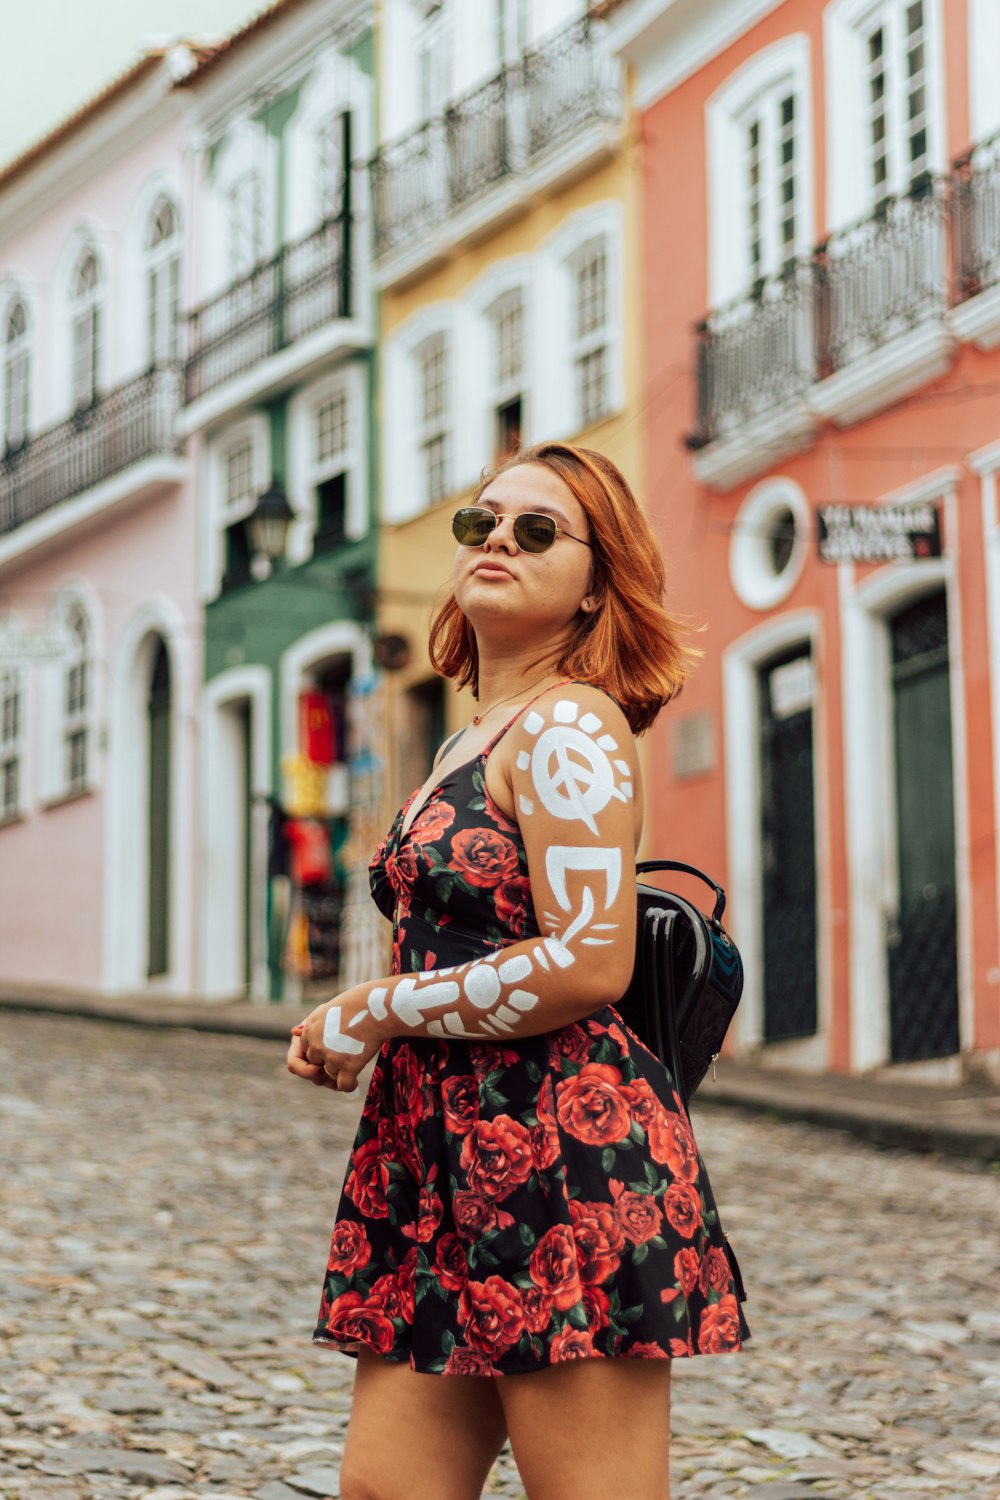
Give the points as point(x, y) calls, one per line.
point(419, 1437)
point(591, 1428)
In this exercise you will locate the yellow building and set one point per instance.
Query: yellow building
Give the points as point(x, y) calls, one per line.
point(502, 201)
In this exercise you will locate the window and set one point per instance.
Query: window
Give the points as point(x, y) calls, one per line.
point(332, 459)
point(770, 542)
point(77, 689)
point(771, 152)
point(16, 375)
point(239, 496)
point(87, 330)
point(896, 99)
point(507, 320)
point(11, 744)
point(162, 254)
point(590, 335)
point(433, 60)
point(246, 223)
point(432, 372)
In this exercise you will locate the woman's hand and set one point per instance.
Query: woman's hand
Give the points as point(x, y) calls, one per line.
point(326, 1049)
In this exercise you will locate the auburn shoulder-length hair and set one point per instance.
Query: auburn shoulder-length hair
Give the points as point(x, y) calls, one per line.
point(628, 645)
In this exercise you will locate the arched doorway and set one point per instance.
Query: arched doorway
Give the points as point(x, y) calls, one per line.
point(160, 776)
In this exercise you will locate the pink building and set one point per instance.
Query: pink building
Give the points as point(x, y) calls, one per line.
point(100, 635)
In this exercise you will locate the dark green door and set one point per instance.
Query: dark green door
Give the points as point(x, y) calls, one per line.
point(922, 938)
point(159, 813)
point(788, 843)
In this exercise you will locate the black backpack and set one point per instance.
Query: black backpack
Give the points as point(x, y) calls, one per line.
point(687, 980)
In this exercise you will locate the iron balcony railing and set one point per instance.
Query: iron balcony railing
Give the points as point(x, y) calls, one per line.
point(123, 426)
point(304, 286)
point(860, 289)
point(504, 126)
point(976, 219)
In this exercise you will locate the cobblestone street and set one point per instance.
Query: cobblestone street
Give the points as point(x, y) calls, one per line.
point(167, 1200)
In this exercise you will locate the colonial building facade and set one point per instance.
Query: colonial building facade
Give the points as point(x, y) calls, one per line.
point(279, 391)
point(501, 198)
point(100, 635)
point(821, 284)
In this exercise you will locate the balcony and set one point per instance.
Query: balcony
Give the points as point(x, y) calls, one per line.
point(976, 220)
point(856, 326)
point(303, 289)
point(537, 121)
point(121, 446)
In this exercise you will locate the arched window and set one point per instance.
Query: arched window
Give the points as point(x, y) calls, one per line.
point(87, 330)
point(332, 157)
point(163, 276)
point(246, 223)
point(12, 747)
point(16, 375)
point(77, 700)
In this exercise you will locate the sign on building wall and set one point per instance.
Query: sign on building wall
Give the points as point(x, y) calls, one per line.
point(879, 533)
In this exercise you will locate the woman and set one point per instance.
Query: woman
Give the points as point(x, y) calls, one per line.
point(524, 1198)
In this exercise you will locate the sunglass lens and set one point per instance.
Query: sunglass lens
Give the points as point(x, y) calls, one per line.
point(534, 533)
point(472, 525)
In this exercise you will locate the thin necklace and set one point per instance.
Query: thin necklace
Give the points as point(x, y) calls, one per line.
point(477, 718)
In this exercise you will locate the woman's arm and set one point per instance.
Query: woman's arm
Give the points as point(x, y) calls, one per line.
point(573, 773)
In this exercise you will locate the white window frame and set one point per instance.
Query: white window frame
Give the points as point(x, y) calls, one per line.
point(87, 307)
point(13, 740)
point(984, 49)
point(770, 75)
point(554, 407)
point(505, 388)
point(403, 491)
point(255, 431)
point(162, 282)
point(305, 472)
point(246, 152)
point(15, 375)
point(438, 428)
point(433, 58)
point(846, 27)
point(77, 699)
point(482, 391)
point(593, 342)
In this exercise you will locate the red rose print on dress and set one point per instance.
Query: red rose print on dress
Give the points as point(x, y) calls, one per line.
point(572, 1343)
point(545, 1135)
point(474, 1214)
point(590, 1105)
point(537, 1309)
point(468, 1362)
point(451, 1266)
point(349, 1248)
point(686, 1269)
point(406, 1281)
point(719, 1332)
point(460, 1102)
point(385, 1294)
point(431, 821)
point(353, 1320)
point(513, 901)
point(597, 1306)
point(491, 1315)
point(368, 1181)
point(429, 1211)
point(497, 1156)
point(639, 1215)
point(672, 1143)
point(599, 1240)
point(715, 1274)
point(483, 857)
point(682, 1209)
point(553, 1266)
point(646, 1351)
point(571, 1042)
point(644, 1106)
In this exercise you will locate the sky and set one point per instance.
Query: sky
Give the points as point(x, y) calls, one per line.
point(61, 52)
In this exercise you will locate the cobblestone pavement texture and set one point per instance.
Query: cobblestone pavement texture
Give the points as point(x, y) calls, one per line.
point(167, 1199)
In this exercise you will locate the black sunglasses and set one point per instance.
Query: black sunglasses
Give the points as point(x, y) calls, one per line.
point(532, 532)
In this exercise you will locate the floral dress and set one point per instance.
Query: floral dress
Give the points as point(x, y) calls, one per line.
point(511, 1206)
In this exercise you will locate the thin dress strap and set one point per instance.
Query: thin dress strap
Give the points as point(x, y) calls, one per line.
point(566, 682)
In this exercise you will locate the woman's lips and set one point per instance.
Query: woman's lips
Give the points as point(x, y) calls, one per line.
point(492, 570)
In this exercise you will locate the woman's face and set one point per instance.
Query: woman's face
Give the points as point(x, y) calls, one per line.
point(499, 585)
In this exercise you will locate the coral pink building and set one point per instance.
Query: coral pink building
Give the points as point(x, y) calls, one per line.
point(100, 640)
point(821, 286)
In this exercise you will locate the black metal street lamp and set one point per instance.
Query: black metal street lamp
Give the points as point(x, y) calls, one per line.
point(268, 526)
